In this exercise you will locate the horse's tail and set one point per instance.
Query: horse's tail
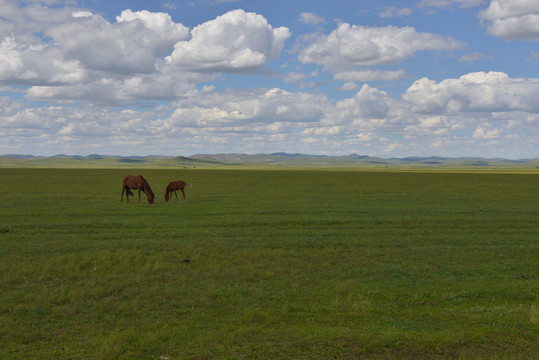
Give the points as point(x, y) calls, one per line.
point(125, 186)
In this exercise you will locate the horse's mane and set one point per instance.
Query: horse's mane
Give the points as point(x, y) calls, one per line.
point(147, 186)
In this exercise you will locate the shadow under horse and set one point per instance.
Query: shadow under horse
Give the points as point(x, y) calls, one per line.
point(138, 183)
point(176, 185)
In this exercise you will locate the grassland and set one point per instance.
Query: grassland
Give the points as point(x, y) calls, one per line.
point(269, 264)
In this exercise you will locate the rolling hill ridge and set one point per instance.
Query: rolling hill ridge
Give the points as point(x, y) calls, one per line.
point(274, 159)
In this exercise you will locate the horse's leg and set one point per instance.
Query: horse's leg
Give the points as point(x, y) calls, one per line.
point(183, 195)
point(138, 195)
point(123, 190)
point(175, 193)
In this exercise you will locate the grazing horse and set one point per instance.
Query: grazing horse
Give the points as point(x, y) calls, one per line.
point(139, 183)
point(176, 185)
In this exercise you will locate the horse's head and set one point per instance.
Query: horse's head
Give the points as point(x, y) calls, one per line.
point(147, 189)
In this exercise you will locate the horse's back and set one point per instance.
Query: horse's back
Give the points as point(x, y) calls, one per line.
point(180, 184)
point(132, 180)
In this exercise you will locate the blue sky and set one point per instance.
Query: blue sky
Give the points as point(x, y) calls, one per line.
point(174, 77)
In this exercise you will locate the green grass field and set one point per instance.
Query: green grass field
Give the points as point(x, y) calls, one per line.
point(269, 265)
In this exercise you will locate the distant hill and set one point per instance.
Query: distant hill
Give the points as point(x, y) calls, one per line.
point(274, 159)
point(362, 160)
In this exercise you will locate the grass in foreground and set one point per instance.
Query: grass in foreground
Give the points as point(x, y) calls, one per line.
point(269, 264)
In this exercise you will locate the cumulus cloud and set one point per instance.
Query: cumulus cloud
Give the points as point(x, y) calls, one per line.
point(10, 59)
point(81, 56)
point(474, 92)
point(486, 131)
point(131, 45)
point(68, 54)
point(159, 22)
point(236, 42)
point(245, 108)
point(27, 56)
point(28, 23)
point(512, 19)
point(60, 129)
point(118, 91)
point(350, 46)
point(37, 64)
point(367, 103)
point(503, 9)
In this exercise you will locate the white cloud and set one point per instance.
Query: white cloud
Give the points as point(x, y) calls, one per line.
point(439, 126)
point(159, 22)
point(369, 75)
point(70, 54)
point(253, 106)
point(170, 5)
point(311, 19)
point(236, 42)
point(534, 56)
point(367, 103)
point(350, 46)
point(474, 92)
point(129, 46)
point(521, 28)
point(118, 91)
point(476, 56)
point(391, 12)
point(512, 19)
point(295, 77)
point(29, 22)
point(81, 14)
point(81, 56)
point(10, 59)
point(266, 120)
point(504, 9)
point(486, 132)
point(37, 64)
point(27, 55)
point(350, 86)
point(450, 3)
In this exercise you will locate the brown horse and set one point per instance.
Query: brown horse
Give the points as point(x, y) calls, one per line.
point(176, 185)
point(139, 183)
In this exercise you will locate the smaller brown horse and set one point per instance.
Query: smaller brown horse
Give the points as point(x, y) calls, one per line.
point(176, 185)
point(139, 183)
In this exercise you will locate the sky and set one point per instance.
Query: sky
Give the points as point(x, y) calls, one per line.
point(183, 77)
